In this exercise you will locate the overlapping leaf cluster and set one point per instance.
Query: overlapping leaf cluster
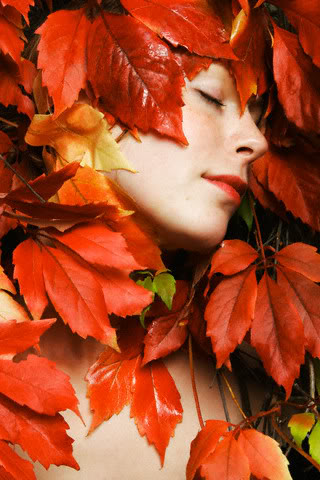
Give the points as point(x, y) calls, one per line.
point(79, 235)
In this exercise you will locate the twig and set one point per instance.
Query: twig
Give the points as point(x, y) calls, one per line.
point(8, 122)
point(312, 378)
point(193, 382)
point(223, 398)
point(233, 396)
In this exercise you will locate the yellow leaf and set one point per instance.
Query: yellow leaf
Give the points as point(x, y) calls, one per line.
point(79, 134)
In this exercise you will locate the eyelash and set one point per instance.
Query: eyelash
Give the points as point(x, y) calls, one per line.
point(210, 99)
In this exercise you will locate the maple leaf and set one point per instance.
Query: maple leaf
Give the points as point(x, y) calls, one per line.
point(47, 392)
point(10, 94)
point(300, 194)
point(79, 134)
point(17, 337)
point(43, 437)
point(227, 462)
point(298, 81)
point(110, 378)
point(229, 313)
point(15, 467)
point(204, 444)
point(232, 257)
point(264, 455)
point(140, 86)
point(192, 24)
point(306, 19)
point(156, 405)
point(62, 56)
point(277, 333)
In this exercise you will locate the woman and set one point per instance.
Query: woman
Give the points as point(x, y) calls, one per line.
point(184, 197)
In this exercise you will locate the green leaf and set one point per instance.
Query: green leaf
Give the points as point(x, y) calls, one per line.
point(316, 363)
point(245, 212)
point(143, 315)
point(165, 287)
point(300, 425)
point(314, 443)
point(147, 283)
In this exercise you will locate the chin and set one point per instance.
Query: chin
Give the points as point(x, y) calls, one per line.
point(197, 241)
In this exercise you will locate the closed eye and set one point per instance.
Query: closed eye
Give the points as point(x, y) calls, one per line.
point(210, 99)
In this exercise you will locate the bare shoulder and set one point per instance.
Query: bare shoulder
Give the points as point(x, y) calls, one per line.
point(115, 450)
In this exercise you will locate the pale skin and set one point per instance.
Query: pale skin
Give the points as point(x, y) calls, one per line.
point(187, 210)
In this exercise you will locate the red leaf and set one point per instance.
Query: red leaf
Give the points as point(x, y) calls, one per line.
point(227, 462)
point(77, 296)
point(264, 454)
point(204, 444)
point(229, 313)
point(140, 86)
point(27, 259)
point(300, 192)
point(304, 294)
point(64, 69)
point(43, 437)
point(301, 258)
point(165, 335)
point(298, 81)
point(121, 294)
point(100, 246)
point(45, 185)
point(192, 24)
point(156, 405)
point(14, 466)
point(191, 64)
point(277, 333)
point(22, 6)
point(305, 17)
point(48, 392)
point(232, 257)
point(110, 377)
point(5, 143)
point(10, 43)
point(10, 93)
point(17, 337)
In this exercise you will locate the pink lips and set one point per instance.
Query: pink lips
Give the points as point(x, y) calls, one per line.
point(230, 184)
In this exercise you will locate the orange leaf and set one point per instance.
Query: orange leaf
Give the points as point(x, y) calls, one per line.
point(277, 333)
point(304, 294)
point(141, 87)
point(43, 437)
point(10, 43)
point(204, 444)
point(63, 69)
point(301, 258)
point(165, 335)
point(229, 313)
point(265, 457)
point(5, 143)
point(47, 392)
point(193, 25)
point(300, 192)
point(15, 467)
point(22, 6)
point(298, 81)
point(156, 405)
point(17, 337)
point(227, 462)
point(110, 377)
point(232, 257)
point(191, 64)
point(77, 296)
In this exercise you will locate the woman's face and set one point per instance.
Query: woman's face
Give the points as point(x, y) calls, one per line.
point(190, 193)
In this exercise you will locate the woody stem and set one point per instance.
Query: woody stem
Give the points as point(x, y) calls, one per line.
point(193, 382)
point(258, 228)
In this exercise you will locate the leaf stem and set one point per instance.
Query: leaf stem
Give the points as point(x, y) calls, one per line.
point(292, 444)
point(8, 122)
point(258, 228)
point(193, 382)
point(233, 396)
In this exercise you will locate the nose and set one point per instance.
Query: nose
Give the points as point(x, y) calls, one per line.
point(248, 141)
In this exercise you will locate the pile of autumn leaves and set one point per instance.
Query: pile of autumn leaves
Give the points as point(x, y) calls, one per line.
point(78, 242)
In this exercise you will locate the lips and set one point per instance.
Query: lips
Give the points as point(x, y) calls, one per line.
point(230, 184)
